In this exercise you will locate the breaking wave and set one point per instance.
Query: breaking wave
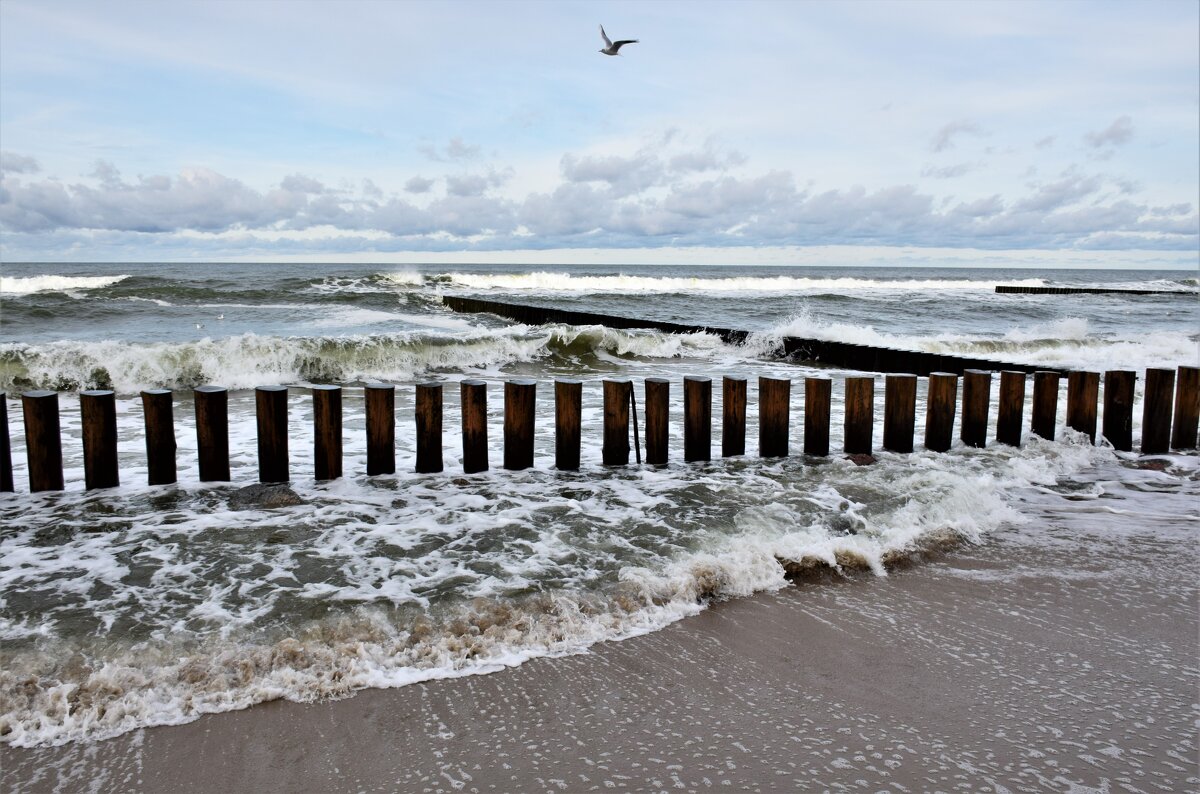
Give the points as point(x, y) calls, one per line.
point(249, 360)
point(31, 284)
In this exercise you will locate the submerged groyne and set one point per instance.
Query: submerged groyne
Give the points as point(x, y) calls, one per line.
point(1004, 289)
point(825, 352)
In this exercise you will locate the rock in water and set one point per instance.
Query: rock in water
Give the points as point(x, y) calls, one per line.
point(263, 497)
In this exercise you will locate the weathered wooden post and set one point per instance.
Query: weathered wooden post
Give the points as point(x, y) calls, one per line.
point(474, 425)
point(733, 417)
point(380, 407)
point(976, 393)
point(6, 466)
point(1045, 404)
point(43, 440)
point(271, 410)
point(774, 404)
point(327, 431)
point(939, 411)
point(859, 434)
point(817, 397)
point(428, 416)
point(899, 412)
point(1187, 409)
point(1118, 408)
point(616, 421)
point(1156, 411)
point(1011, 410)
point(568, 411)
point(697, 418)
point(98, 418)
point(1083, 391)
point(212, 432)
point(519, 402)
point(158, 414)
point(657, 409)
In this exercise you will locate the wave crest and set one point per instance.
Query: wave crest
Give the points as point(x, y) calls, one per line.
point(12, 285)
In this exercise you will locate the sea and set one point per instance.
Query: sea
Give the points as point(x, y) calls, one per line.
point(143, 605)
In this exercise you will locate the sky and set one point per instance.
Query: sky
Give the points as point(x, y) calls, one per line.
point(1063, 132)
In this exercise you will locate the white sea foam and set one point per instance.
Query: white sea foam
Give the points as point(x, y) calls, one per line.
point(567, 282)
point(24, 286)
point(421, 577)
point(248, 360)
point(1068, 342)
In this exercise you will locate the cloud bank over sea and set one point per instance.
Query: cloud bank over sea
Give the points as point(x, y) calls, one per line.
point(406, 131)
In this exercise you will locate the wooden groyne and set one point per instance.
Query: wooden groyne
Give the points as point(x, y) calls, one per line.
point(1019, 290)
point(824, 352)
point(1170, 416)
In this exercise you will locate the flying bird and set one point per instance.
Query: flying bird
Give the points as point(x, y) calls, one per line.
point(611, 47)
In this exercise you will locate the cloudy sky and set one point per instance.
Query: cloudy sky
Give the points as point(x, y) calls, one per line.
point(1055, 132)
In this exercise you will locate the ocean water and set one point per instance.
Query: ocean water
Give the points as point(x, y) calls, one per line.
point(148, 605)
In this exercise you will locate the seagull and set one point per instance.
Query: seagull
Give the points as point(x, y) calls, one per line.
point(611, 47)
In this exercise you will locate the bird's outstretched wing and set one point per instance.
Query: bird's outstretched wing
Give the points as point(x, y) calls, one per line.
point(618, 44)
point(603, 35)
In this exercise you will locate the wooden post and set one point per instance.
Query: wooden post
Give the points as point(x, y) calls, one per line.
point(43, 440)
point(1118, 408)
point(697, 418)
point(976, 393)
point(6, 466)
point(733, 417)
point(212, 432)
point(158, 413)
point(380, 400)
point(519, 401)
point(1156, 411)
point(657, 409)
point(568, 410)
point(859, 436)
point(774, 404)
point(270, 404)
point(1083, 390)
point(1045, 404)
point(98, 420)
point(899, 412)
point(616, 422)
point(939, 411)
point(1187, 409)
point(473, 394)
point(1011, 410)
point(327, 432)
point(817, 396)
point(428, 415)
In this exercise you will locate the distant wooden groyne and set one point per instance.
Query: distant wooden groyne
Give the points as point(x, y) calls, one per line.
point(862, 358)
point(1170, 417)
point(1018, 290)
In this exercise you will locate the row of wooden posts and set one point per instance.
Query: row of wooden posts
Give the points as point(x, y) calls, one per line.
point(99, 424)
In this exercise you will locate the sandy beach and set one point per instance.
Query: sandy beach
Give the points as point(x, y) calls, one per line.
point(1060, 656)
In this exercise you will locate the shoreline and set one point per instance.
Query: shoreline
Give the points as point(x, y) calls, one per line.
point(1049, 659)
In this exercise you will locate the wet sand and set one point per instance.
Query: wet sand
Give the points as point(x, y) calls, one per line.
point(1057, 659)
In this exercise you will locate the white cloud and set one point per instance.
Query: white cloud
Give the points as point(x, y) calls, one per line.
point(943, 139)
point(1119, 133)
point(947, 172)
point(453, 151)
point(14, 163)
point(418, 184)
point(662, 194)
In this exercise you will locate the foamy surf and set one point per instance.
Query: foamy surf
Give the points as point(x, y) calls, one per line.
point(569, 282)
point(12, 285)
point(181, 609)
